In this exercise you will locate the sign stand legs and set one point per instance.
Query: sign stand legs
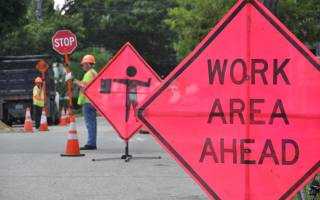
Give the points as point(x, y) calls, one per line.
point(127, 157)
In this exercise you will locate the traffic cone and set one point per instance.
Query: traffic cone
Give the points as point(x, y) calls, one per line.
point(27, 127)
point(43, 122)
point(72, 118)
point(68, 116)
point(72, 147)
point(63, 118)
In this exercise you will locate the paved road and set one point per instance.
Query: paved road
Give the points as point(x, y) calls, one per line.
point(31, 169)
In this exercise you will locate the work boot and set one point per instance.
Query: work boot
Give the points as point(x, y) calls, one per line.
point(88, 147)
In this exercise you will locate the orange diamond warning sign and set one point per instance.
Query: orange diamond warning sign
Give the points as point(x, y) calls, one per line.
point(241, 113)
point(120, 88)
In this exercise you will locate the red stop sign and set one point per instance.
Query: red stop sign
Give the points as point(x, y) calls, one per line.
point(64, 42)
point(241, 113)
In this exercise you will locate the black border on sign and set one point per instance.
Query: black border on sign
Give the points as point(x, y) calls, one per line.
point(189, 62)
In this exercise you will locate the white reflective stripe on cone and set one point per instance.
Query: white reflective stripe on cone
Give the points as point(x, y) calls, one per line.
point(28, 115)
point(72, 126)
point(43, 119)
point(72, 136)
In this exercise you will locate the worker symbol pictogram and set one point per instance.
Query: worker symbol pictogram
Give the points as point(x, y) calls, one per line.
point(119, 89)
point(131, 89)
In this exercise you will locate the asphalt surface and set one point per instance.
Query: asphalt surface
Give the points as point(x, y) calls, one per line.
point(31, 168)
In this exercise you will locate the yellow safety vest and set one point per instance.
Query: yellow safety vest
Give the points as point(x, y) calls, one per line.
point(87, 78)
point(38, 96)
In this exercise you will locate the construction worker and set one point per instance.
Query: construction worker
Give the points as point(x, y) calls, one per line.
point(89, 112)
point(38, 100)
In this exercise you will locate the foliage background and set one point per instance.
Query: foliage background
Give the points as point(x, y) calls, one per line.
point(162, 31)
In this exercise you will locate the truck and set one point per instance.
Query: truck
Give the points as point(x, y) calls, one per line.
point(17, 74)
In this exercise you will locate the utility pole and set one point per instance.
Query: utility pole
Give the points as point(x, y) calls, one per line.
point(39, 10)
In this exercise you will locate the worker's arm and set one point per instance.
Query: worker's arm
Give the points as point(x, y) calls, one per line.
point(88, 77)
point(123, 81)
point(144, 84)
point(82, 85)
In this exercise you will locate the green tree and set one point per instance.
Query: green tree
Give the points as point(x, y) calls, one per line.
point(303, 18)
point(33, 36)
point(111, 23)
point(271, 4)
point(191, 20)
point(12, 15)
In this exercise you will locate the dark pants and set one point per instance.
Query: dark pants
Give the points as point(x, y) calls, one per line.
point(37, 115)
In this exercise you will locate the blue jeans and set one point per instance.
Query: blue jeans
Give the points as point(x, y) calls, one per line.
point(90, 117)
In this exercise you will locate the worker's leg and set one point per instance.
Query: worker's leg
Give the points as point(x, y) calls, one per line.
point(33, 116)
point(37, 115)
point(90, 117)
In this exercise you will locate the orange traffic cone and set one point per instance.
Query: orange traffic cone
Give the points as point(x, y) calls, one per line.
point(72, 148)
point(72, 118)
point(63, 118)
point(28, 122)
point(68, 116)
point(43, 122)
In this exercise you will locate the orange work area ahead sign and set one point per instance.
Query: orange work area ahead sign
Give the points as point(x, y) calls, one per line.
point(120, 87)
point(241, 113)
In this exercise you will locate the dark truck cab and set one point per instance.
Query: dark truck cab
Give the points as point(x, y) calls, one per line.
point(17, 74)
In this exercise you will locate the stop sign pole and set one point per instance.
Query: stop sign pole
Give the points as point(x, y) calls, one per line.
point(42, 67)
point(65, 42)
point(66, 64)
